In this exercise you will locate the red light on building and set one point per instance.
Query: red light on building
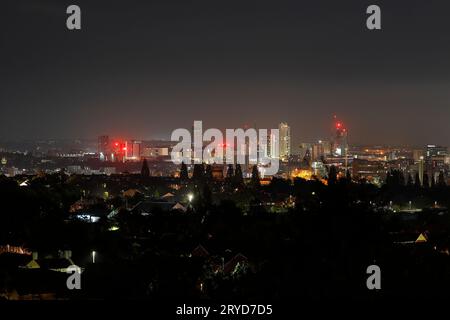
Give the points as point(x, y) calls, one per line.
point(124, 149)
point(116, 144)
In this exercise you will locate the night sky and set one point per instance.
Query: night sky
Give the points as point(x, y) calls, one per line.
point(140, 69)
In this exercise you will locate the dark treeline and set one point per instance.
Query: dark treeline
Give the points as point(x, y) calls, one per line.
point(301, 238)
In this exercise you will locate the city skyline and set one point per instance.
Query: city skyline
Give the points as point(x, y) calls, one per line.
point(335, 126)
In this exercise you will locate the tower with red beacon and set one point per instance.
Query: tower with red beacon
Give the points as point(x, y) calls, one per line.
point(339, 141)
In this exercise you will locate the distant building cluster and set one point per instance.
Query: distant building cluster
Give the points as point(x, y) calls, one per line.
point(128, 150)
point(311, 160)
point(372, 163)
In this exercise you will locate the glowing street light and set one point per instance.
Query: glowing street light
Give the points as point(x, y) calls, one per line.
point(93, 256)
point(190, 197)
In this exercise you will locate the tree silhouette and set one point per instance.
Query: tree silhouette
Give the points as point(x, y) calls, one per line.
point(184, 176)
point(401, 178)
point(389, 178)
point(199, 172)
point(395, 178)
point(426, 181)
point(145, 171)
point(238, 178)
point(410, 182)
point(441, 180)
point(230, 172)
point(208, 174)
point(348, 175)
point(207, 196)
point(417, 180)
point(229, 183)
point(255, 177)
point(306, 162)
point(332, 175)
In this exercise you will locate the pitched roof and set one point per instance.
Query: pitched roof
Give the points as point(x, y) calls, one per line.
point(149, 206)
point(50, 264)
point(180, 207)
point(200, 251)
point(231, 265)
point(168, 195)
point(422, 238)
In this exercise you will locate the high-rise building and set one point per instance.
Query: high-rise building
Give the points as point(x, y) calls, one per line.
point(367, 169)
point(133, 150)
point(340, 145)
point(267, 145)
point(264, 146)
point(197, 136)
point(435, 151)
point(317, 151)
point(320, 149)
point(304, 148)
point(417, 153)
point(326, 145)
point(272, 146)
point(103, 147)
point(435, 157)
point(285, 141)
point(118, 151)
point(154, 152)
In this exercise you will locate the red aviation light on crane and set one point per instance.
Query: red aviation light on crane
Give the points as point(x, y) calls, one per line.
point(338, 125)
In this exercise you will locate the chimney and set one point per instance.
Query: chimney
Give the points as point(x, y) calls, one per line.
point(35, 255)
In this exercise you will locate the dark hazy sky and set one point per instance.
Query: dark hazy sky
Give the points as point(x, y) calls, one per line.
point(143, 68)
